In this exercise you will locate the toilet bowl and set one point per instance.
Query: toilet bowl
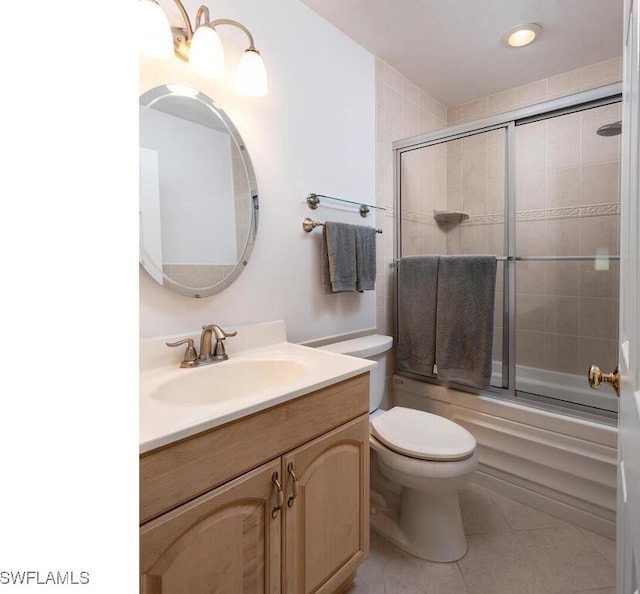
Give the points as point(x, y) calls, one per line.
point(431, 458)
point(419, 462)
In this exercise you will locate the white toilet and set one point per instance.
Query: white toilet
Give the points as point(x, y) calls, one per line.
point(419, 461)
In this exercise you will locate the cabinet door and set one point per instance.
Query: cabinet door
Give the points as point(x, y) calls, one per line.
point(225, 541)
point(326, 520)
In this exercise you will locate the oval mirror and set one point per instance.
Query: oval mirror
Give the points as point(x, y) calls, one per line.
point(198, 194)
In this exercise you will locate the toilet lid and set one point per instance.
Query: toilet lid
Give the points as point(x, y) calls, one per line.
point(422, 435)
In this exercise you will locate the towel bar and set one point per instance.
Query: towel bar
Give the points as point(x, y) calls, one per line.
point(308, 225)
point(545, 258)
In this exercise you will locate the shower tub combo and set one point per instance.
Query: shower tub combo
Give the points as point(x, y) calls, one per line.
point(539, 188)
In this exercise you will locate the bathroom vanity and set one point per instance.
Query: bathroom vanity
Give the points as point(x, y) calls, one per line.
point(274, 500)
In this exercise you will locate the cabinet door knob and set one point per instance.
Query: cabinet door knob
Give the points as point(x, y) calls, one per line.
point(294, 485)
point(279, 495)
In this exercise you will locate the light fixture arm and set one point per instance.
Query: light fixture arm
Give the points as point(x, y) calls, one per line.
point(185, 17)
point(233, 23)
point(182, 36)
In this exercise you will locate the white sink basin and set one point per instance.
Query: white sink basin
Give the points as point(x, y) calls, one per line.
point(263, 370)
point(226, 381)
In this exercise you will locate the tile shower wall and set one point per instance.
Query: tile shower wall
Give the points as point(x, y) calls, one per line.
point(573, 81)
point(403, 110)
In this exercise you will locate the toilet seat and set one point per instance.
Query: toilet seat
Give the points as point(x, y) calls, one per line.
point(422, 435)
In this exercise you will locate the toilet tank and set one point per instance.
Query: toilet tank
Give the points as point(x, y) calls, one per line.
point(375, 347)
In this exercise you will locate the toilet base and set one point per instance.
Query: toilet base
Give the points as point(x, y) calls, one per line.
point(433, 523)
point(431, 533)
point(414, 502)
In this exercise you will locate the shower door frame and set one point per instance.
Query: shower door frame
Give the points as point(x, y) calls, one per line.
point(592, 98)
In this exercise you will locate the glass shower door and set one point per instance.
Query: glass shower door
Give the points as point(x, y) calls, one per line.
point(567, 250)
point(453, 201)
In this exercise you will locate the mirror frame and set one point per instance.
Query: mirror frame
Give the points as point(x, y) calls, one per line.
point(147, 99)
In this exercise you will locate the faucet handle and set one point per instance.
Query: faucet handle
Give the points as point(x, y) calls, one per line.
point(190, 355)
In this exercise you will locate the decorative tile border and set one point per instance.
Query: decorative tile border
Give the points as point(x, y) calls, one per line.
point(491, 219)
point(545, 214)
point(418, 217)
point(389, 212)
point(595, 210)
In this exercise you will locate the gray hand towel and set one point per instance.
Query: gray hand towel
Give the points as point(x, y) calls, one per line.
point(417, 285)
point(464, 333)
point(338, 257)
point(365, 258)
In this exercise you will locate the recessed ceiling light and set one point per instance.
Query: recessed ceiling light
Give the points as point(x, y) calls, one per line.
point(521, 35)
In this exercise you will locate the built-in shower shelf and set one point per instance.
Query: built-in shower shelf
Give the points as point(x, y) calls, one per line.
point(449, 217)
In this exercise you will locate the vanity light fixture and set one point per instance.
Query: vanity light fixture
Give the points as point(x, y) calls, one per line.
point(154, 33)
point(200, 48)
point(521, 35)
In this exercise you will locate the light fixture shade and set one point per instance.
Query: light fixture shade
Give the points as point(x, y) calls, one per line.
point(156, 40)
point(251, 78)
point(206, 56)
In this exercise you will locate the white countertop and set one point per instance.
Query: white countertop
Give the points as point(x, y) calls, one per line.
point(162, 423)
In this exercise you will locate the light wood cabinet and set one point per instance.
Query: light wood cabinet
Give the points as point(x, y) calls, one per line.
point(326, 525)
point(225, 541)
point(235, 537)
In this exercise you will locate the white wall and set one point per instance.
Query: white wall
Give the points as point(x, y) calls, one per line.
point(313, 132)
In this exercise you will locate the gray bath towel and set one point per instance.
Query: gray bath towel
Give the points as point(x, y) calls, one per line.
point(464, 334)
point(365, 258)
point(338, 257)
point(417, 285)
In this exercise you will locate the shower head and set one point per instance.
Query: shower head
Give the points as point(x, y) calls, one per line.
point(612, 129)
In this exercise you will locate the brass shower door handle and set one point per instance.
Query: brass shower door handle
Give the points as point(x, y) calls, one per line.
point(596, 378)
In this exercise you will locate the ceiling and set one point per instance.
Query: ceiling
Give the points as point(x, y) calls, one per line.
point(452, 48)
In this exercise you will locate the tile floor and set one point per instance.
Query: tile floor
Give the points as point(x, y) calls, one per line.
point(513, 549)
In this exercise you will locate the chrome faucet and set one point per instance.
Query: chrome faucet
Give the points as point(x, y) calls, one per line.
point(208, 352)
